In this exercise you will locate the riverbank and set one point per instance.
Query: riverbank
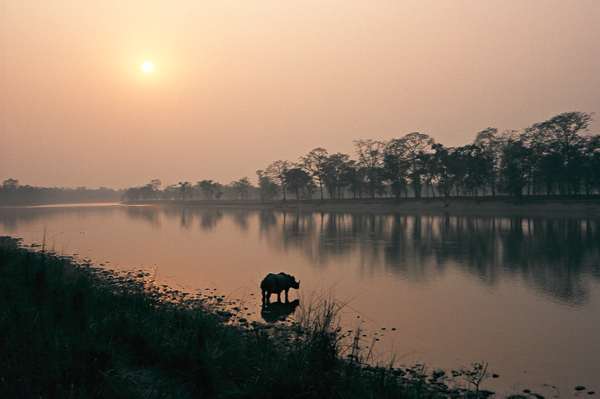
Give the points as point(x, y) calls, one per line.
point(482, 206)
point(75, 330)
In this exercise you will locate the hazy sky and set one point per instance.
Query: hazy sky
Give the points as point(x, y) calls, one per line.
point(241, 83)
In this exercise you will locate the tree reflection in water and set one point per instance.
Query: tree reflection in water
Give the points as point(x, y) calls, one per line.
point(555, 256)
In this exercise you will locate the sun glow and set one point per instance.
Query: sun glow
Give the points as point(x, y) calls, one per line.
point(147, 67)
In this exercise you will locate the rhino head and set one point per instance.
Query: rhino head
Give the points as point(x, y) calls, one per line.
point(295, 284)
point(291, 280)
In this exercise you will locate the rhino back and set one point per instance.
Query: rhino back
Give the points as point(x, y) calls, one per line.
point(269, 283)
point(275, 282)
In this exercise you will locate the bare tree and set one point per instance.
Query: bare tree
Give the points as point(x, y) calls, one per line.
point(267, 188)
point(276, 172)
point(370, 155)
point(314, 163)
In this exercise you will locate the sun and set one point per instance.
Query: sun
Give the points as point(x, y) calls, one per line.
point(147, 67)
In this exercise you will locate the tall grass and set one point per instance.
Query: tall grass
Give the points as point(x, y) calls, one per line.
point(74, 331)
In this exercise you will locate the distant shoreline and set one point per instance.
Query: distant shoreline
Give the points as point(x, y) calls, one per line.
point(488, 206)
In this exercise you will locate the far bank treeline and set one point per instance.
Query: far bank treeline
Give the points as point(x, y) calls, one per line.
point(14, 193)
point(554, 157)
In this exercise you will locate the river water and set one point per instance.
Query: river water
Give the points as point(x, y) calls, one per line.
point(522, 294)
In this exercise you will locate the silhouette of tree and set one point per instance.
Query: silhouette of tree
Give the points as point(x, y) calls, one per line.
point(489, 144)
point(267, 187)
point(477, 167)
point(14, 193)
point(441, 164)
point(298, 180)
point(395, 167)
point(10, 184)
point(276, 172)
point(556, 156)
point(416, 146)
point(241, 188)
point(352, 176)
point(185, 189)
point(515, 167)
point(557, 146)
point(314, 163)
point(334, 168)
point(370, 155)
point(591, 165)
point(208, 188)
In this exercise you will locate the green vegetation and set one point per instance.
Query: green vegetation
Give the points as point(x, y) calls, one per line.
point(75, 331)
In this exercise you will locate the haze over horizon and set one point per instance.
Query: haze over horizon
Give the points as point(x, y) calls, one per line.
point(115, 94)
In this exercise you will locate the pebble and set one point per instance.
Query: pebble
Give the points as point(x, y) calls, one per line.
point(579, 388)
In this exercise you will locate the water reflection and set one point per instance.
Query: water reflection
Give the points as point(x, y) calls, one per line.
point(555, 256)
point(12, 219)
point(521, 293)
point(278, 311)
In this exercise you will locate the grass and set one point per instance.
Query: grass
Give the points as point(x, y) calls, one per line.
point(74, 331)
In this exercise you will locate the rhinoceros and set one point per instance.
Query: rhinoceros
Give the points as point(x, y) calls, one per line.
point(275, 283)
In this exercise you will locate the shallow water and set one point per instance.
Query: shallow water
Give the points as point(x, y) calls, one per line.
point(522, 294)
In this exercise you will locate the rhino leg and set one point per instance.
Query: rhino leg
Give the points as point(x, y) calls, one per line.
point(279, 296)
point(286, 295)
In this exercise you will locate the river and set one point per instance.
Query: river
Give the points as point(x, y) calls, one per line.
point(522, 294)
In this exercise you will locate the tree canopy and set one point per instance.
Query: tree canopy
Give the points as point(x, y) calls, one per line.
point(553, 157)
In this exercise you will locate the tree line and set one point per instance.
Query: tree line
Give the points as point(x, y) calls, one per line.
point(184, 190)
point(554, 157)
point(14, 193)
